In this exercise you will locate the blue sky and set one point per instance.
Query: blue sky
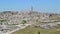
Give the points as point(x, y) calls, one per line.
point(39, 5)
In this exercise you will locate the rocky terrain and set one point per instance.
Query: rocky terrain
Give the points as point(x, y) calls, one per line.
point(9, 20)
point(31, 17)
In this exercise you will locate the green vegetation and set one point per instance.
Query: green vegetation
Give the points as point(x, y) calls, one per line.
point(23, 22)
point(38, 32)
point(31, 30)
point(1, 20)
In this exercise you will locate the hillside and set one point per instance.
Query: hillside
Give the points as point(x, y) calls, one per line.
point(11, 20)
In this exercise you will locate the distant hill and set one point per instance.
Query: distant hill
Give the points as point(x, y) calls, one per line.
point(14, 17)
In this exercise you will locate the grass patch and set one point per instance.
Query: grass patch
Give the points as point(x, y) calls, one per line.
point(31, 30)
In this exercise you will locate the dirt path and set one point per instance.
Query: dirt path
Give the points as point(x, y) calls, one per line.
point(19, 28)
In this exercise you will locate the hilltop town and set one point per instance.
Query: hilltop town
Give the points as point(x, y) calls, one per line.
point(11, 20)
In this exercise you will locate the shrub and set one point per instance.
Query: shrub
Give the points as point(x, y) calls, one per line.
point(24, 21)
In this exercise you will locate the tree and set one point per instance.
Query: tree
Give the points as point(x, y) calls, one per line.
point(24, 21)
point(38, 32)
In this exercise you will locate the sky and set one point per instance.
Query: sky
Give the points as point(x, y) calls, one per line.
point(39, 5)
